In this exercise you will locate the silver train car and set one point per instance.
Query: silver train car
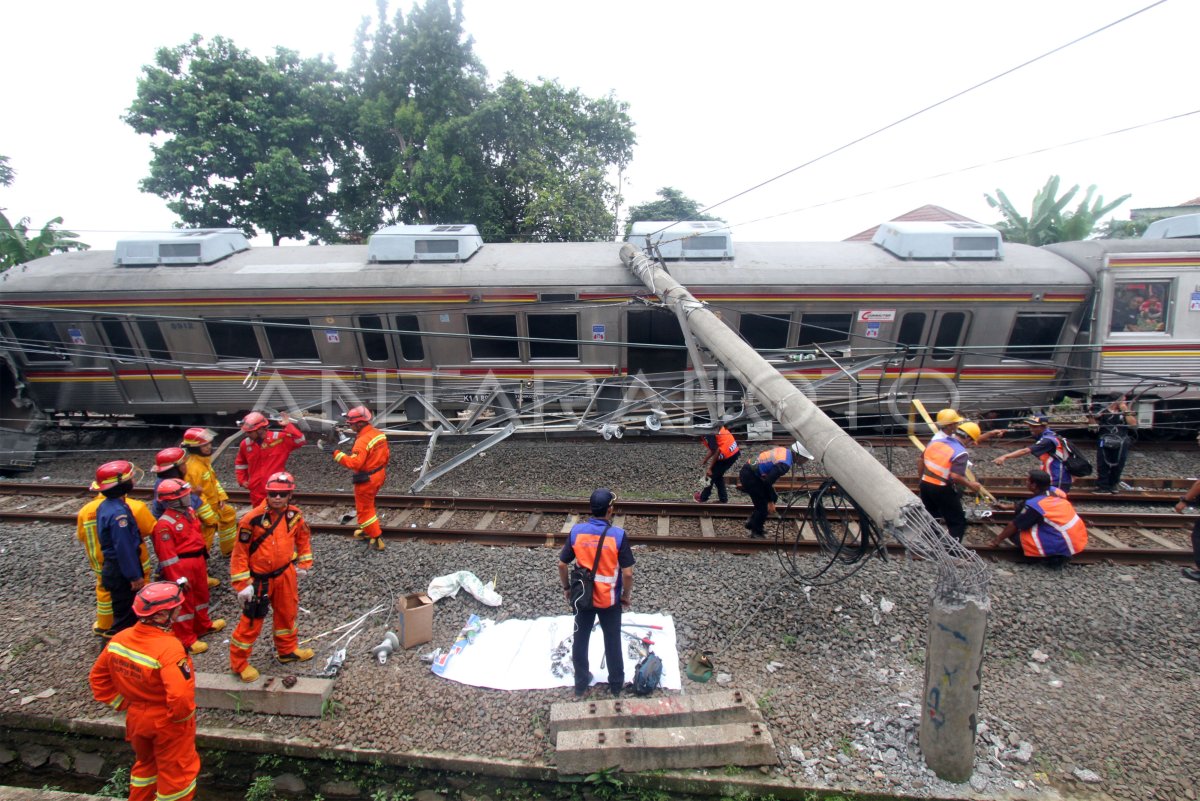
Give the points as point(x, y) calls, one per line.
point(434, 328)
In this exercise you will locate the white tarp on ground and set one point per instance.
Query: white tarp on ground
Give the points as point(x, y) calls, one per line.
point(536, 654)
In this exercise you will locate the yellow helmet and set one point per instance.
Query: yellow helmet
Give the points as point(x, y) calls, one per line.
point(970, 429)
point(947, 416)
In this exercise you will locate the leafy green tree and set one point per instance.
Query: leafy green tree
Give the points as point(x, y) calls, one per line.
point(524, 162)
point(671, 205)
point(1124, 229)
point(17, 246)
point(242, 142)
point(1047, 222)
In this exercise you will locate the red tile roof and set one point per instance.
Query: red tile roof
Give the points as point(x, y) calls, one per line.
point(924, 214)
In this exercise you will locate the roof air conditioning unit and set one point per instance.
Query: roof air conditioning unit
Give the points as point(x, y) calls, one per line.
point(1185, 226)
point(709, 239)
point(423, 243)
point(201, 246)
point(939, 240)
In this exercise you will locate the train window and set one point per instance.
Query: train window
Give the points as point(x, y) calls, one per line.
point(289, 342)
point(911, 333)
point(819, 328)
point(118, 339)
point(411, 349)
point(765, 331)
point(1140, 306)
point(493, 325)
point(373, 339)
point(1034, 336)
point(233, 340)
point(949, 331)
point(153, 338)
point(38, 341)
point(553, 326)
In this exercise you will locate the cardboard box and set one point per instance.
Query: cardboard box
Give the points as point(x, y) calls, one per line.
point(416, 619)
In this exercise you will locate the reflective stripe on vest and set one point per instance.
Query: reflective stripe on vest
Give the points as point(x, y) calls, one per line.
point(1060, 531)
point(938, 458)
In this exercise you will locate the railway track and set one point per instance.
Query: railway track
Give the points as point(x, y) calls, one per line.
point(1119, 536)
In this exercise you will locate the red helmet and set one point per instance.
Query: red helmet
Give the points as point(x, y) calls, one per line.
point(110, 474)
point(359, 414)
point(195, 437)
point(157, 596)
point(281, 482)
point(253, 422)
point(168, 458)
point(172, 489)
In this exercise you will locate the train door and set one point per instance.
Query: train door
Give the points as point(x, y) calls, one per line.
point(141, 362)
point(930, 373)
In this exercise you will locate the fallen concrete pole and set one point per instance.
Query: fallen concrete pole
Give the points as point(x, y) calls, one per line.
point(958, 623)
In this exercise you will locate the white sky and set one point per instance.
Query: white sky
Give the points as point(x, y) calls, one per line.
point(723, 96)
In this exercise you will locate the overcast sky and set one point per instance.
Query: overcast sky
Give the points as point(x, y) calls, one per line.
point(723, 96)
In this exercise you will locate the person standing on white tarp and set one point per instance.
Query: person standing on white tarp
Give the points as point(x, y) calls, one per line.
point(611, 592)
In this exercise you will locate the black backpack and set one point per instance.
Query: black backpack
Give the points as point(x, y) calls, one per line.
point(1075, 464)
point(647, 674)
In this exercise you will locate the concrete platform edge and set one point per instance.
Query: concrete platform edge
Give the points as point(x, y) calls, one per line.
point(698, 782)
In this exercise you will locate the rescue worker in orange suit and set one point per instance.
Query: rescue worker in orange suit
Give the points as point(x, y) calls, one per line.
point(120, 534)
point(942, 467)
point(722, 454)
point(368, 459)
point(170, 463)
point(1048, 449)
point(145, 673)
point(221, 522)
point(85, 532)
point(757, 479)
point(263, 452)
point(273, 549)
point(1046, 526)
point(183, 559)
point(612, 590)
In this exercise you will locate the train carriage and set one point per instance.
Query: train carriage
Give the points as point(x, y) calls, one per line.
point(428, 324)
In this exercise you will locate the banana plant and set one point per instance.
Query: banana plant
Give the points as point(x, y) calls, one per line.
point(1047, 222)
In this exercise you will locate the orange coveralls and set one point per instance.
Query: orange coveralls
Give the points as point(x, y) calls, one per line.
point(217, 515)
point(258, 461)
point(144, 672)
point(179, 546)
point(368, 457)
point(269, 547)
point(85, 532)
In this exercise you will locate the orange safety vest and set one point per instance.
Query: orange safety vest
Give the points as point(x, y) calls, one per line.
point(608, 571)
point(938, 457)
point(1060, 532)
point(726, 445)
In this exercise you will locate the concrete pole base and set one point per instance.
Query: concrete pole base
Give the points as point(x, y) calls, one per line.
point(953, 660)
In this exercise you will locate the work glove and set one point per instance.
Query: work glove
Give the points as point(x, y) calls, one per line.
point(301, 572)
point(246, 593)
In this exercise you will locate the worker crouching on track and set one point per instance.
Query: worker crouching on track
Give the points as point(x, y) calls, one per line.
point(199, 474)
point(120, 531)
point(183, 559)
point(757, 479)
point(274, 547)
point(368, 459)
point(145, 673)
point(722, 454)
point(85, 531)
point(598, 543)
point(1046, 525)
point(942, 467)
point(263, 452)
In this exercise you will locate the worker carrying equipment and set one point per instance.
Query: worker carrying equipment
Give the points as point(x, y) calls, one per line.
point(273, 548)
point(145, 673)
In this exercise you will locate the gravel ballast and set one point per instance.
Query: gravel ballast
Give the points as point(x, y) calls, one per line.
point(1089, 678)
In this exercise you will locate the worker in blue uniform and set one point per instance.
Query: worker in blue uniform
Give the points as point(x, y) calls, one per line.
point(757, 479)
